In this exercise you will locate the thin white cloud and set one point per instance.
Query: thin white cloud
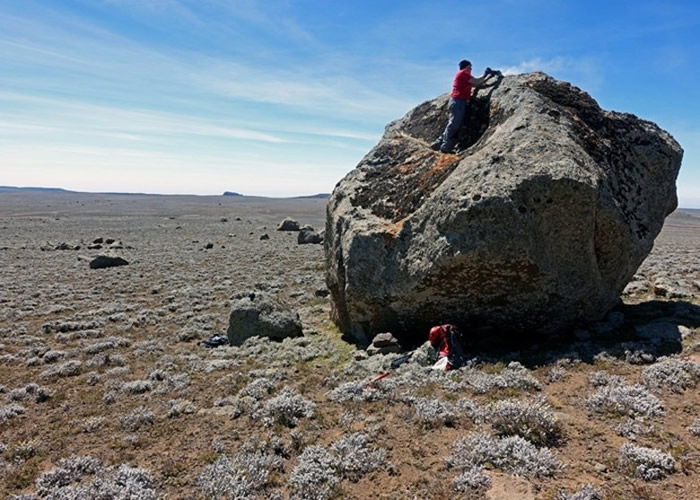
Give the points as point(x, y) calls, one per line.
point(580, 71)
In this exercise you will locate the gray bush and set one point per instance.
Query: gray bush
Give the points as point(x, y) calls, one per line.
point(473, 483)
point(179, 407)
point(117, 371)
point(106, 344)
point(137, 386)
point(676, 374)
point(601, 378)
point(355, 457)
point(286, 408)
point(38, 393)
point(104, 360)
point(91, 424)
point(649, 464)
point(632, 400)
point(470, 409)
point(433, 412)
point(69, 470)
point(512, 454)
point(315, 475)
point(258, 389)
point(52, 356)
point(694, 428)
point(9, 412)
point(68, 369)
point(632, 428)
point(173, 383)
point(244, 475)
point(357, 391)
point(70, 481)
point(532, 420)
point(513, 376)
point(587, 492)
point(24, 450)
point(556, 374)
point(137, 418)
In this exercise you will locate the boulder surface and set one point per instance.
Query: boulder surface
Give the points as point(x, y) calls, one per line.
point(263, 315)
point(536, 224)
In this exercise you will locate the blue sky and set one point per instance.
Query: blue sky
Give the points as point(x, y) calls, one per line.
point(283, 98)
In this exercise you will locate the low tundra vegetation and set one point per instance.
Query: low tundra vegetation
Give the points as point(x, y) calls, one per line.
point(106, 391)
point(649, 464)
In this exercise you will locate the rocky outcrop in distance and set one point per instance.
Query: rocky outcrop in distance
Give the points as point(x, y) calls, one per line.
point(536, 224)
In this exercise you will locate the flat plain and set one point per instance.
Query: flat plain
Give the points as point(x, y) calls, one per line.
point(107, 392)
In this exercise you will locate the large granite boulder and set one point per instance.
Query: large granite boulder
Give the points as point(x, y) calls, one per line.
point(263, 315)
point(536, 223)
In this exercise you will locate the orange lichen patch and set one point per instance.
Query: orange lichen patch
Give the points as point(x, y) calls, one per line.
point(444, 161)
point(412, 163)
point(393, 230)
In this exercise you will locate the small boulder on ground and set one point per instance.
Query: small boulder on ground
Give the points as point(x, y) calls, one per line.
point(288, 225)
point(383, 343)
point(103, 261)
point(67, 246)
point(264, 315)
point(309, 236)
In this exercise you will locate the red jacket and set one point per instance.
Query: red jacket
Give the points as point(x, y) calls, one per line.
point(438, 339)
point(445, 339)
point(461, 88)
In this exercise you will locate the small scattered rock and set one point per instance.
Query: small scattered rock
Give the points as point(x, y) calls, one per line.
point(384, 340)
point(306, 236)
point(264, 236)
point(384, 343)
point(600, 467)
point(103, 261)
point(66, 246)
point(209, 246)
point(97, 241)
point(288, 225)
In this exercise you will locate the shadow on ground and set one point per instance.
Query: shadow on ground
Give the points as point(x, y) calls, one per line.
point(637, 333)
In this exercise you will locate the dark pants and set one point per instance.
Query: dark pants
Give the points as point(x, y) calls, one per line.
point(458, 111)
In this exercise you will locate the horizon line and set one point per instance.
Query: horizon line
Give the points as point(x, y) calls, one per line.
point(231, 194)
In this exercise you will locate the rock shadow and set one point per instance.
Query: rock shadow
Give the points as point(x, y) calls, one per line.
point(649, 330)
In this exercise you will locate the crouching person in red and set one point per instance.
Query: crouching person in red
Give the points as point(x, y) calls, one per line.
point(447, 341)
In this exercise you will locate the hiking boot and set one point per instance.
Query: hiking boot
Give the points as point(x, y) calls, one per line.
point(436, 145)
point(446, 150)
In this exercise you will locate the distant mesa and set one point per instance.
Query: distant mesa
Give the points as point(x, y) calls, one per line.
point(320, 196)
point(231, 193)
point(32, 189)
